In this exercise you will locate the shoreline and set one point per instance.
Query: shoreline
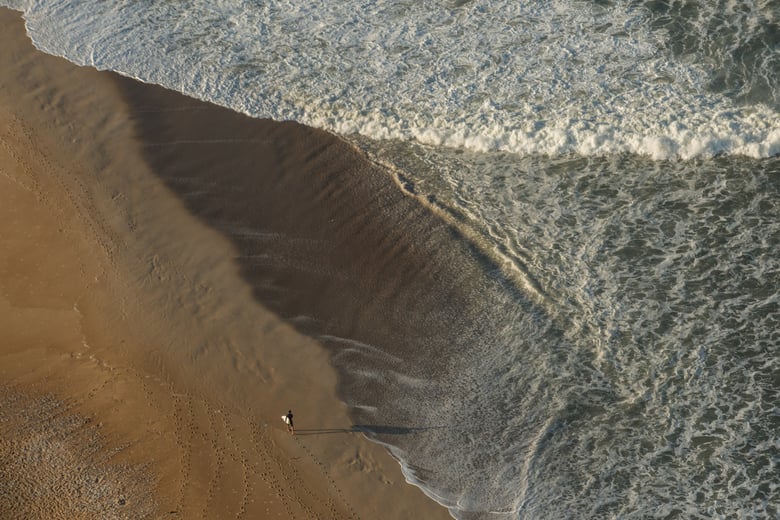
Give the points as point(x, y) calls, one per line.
point(123, 313)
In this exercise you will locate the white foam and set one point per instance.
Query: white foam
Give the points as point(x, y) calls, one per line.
point(639, 354)
point(523, 77)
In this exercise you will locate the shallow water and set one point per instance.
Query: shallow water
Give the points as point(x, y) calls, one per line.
point(642, 379)
point(611, 166)
point(664, 79)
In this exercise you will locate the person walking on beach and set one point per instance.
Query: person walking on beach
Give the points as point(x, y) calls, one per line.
point(290, 427)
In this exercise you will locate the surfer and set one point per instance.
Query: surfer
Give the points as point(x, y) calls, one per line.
point(290, 427)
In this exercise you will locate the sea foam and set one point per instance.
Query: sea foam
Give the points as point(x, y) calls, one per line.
point(549, 78)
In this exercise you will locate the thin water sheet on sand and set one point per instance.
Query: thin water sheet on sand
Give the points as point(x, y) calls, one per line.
point(134, 352)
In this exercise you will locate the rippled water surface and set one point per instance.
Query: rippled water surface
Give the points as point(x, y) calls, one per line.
point(616, 163)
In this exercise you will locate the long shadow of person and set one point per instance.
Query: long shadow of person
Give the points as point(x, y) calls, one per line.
point(368, 429)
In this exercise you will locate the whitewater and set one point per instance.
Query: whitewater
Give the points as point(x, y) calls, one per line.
point(523, 77)
point(616, 162)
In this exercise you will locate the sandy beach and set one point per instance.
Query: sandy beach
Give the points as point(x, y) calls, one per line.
point(146, 354)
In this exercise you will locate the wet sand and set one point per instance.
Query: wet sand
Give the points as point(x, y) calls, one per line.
point(144, 363)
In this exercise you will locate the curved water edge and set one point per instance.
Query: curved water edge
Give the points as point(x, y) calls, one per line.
point(611, 346)
point(549, 78)
point(661, 289)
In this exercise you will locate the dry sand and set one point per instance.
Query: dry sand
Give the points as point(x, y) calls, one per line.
point(139, 375)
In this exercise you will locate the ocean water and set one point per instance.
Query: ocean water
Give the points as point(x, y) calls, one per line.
point(616, 163)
